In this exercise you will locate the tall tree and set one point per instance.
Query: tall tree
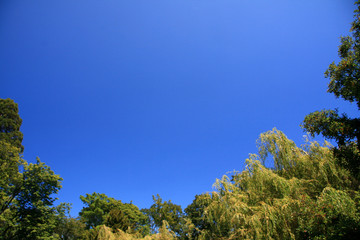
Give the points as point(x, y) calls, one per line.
point(344, 83)
point(10, 123)
point(10, 161)
point(26, 190)
point(10, 150)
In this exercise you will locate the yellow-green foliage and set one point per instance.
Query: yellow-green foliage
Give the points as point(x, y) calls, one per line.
point(305, 195)
point(105, 233)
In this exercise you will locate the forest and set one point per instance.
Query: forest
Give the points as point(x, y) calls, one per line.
point(310, 191)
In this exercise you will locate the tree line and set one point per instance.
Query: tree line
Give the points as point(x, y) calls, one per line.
point(311, 192)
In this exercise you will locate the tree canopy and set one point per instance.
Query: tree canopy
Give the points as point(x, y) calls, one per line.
point(344, 83)
point(297, 199)
point(103, 210)
point(165, 211)
point(26, 189)
point(10, 123)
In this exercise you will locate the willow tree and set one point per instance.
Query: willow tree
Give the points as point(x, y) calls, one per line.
point(305, 195)
point(103, 232)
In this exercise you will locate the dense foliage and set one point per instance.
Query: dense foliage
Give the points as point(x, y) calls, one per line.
point(306, 195)
point(165, 211)
point(26, 189)
point(311, 192)
point(101, 210)
point(10, 123)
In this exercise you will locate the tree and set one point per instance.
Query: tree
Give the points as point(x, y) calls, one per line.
point(26, 190)
point(29, 212)
point(117, 220)
point(305, 196)
point(97, 207)
point(165, 211)
point(35, 201)
point(103, 210)
point(68, 228)
point(128, 218)
point(10, 178)
point(196, 213)
point(344, 83)
point(10, 123)
point(10, 150)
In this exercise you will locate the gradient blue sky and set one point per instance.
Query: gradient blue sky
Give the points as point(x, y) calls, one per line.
point(134, 98)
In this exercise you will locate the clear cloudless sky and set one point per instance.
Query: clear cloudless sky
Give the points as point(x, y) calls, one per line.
point(134, 98)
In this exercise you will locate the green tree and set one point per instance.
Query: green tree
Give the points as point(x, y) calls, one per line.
point(165, 211)
point(344, 83)
point(68, 228)
point(10, 123)
point(103, 210)
point(128, 218)
point(10, 150)
point(305, 196)
point(30, 213)
point(196, 213)
point(117, 220)
point(10, 178)
point(10, 162)
point(96, 210)
point(26, 190)
point(34, 203)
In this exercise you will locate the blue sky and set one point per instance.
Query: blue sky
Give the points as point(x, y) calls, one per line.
point(138, 98)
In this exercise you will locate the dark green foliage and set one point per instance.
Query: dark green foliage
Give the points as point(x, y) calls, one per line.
point(10, 123)
point(26, 190)
point(101, 209)
point(333, 126)
point(10, 178)
point(68, 228)
point(10, 161)
point(97, 207)
point(344, 83)
point(71, 229)
point(39, 184)
point(165, 211)
point(137, 221)
point(30, 213)
point(196, 213)
point(35, 201)
point(117, 220)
